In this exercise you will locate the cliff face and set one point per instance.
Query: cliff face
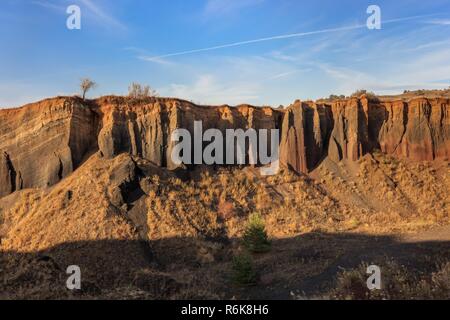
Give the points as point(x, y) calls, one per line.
point(44, 142)
point(305, 134)
point(418, 130)
point(145, 129)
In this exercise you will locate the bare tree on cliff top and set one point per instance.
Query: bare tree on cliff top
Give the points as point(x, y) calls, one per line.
point(86, 85)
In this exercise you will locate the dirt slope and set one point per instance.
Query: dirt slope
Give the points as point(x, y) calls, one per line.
point(131, 226)
point(92, 184)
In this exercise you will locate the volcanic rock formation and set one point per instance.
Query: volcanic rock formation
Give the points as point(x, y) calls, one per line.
point(44, 142)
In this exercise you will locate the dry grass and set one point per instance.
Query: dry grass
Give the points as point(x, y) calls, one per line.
point(194, 227)
point(79, 206)
point(397, 283)
point(388, 196)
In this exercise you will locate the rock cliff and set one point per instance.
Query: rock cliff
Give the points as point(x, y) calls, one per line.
point(44, 142)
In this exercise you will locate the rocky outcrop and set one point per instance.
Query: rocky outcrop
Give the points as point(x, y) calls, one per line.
point(8, 175)
point(305, 132)
point(418, 130)
point(42, 143)
point(350, 135)
point(145, 129)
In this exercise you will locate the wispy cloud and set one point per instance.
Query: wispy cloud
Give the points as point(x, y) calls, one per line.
point(208, 90)
point(155, 60)
point(343, 73)
point(103, 15)
point(441, 22)
point(242, 43)
point(284, 36)
point(280, 55)
point(430, 45)
point(49, 5)
point(424, 71)
point(288, 73)
point(143, 55)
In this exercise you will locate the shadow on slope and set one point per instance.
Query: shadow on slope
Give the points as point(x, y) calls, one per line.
point(194, 268)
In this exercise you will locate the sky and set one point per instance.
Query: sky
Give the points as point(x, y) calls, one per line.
point(261, 52)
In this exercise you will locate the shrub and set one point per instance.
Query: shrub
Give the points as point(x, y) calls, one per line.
point(336, 97)
point(138, 91)
point(243, 270)
point(369, 94)
point(359, 93)
point(255, 236)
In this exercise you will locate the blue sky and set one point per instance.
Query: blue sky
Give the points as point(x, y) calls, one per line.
point(132, 40)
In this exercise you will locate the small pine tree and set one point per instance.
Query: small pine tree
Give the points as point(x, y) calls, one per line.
point(243, 271)
point(255, 236)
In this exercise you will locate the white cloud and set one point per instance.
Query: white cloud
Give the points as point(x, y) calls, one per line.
point(342, 73)
point(155, 60)
point(427, 70)
point(442, 22)
point(429, 67)
point(207, 89)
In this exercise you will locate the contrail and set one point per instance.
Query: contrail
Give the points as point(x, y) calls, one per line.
point(285, 36)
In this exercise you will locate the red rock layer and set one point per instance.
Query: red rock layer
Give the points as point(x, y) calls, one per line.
point(43, 142)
